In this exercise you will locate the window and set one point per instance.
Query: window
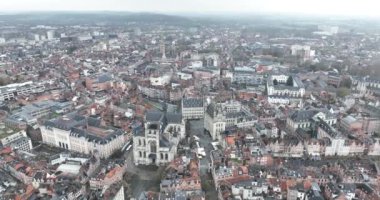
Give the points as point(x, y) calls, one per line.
point(166, 157)
point(153, 147)
point(161, 156)
point(140, 154)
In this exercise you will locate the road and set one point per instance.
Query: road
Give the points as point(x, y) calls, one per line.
point(142, 178)
point(196, 128)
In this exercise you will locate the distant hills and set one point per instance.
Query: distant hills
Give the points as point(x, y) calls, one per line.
point(57, 18)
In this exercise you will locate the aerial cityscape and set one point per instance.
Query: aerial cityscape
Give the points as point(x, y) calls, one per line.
point(119, 102)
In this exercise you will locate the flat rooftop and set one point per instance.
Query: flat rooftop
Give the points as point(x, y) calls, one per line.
point(6, 131)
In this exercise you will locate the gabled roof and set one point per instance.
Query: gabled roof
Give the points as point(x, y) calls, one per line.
point(154, 116)
point(165, 118)
point(104, 78)
point(303, 115)
point(174, 118)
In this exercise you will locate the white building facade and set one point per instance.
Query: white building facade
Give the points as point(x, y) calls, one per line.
point(192, 108)
point(83, 135)
point(281, 93)
point(219, 116)
point(18, 140)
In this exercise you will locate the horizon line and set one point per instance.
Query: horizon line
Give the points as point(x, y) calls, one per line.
point(196, 13)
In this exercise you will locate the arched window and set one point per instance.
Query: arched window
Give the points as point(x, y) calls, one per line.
point(153, 147)
point(140, 154)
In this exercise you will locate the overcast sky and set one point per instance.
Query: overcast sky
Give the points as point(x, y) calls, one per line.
point(319, 7)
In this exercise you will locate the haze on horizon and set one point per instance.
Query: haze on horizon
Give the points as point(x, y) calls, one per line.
point(322, 7)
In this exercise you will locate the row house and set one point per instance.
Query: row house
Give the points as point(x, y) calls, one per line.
point(154, 93)
point(100, 82)
point(249, 189)
point(314, 147)
point(287, 148)
point(186, 184)
point(374, 149)
point(356, 147)
point(224, 174)
point(18, 170)
point(104, 180)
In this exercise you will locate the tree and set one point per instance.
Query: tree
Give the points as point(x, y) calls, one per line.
point(275, 82)
point(206, 185)
point(342, 92)
point(289, 82)
point(71, 49)
point(19, 78)
point(347, 83)
point(4, 81)
point(318, 67)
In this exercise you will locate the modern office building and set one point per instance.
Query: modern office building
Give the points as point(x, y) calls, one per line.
point(15, 139)
point(11, 91)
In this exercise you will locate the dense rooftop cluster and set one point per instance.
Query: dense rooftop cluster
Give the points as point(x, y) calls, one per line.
point(177, 108)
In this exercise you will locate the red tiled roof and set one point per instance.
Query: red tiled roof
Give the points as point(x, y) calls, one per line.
point(6, 150)
point(307, 184)
point(18, 166)
point(230, 140)
point(238, 179)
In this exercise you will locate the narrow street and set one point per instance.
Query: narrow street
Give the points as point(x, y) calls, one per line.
point(196, 128)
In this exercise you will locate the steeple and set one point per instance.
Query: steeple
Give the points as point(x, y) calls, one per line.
point(163, 50)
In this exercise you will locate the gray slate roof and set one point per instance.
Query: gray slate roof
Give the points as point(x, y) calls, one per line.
point(77, 124)
point(165, 118)
point(192, 103)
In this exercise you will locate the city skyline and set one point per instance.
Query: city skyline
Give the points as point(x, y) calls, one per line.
point(190, 99)
point(365, 8)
